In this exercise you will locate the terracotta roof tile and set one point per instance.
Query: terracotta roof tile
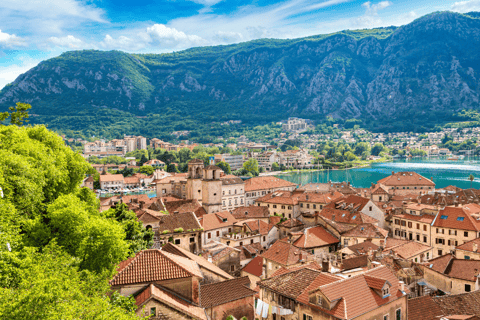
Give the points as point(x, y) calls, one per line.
point(315, 237)
point(154, 265)
point(171, 300)
point(264, 183)
point(219, 293)
point(406, 178)
point(456, 218)
point(409, 249)
point(202, 263)
point(217, 220)
point(285, 254)
point(363, 247)
point(255, 266)
point(423, 308)
point(291, 223)
point(355, 262)
point(469, 246)
point(170, 222)
point(353, 201)
point(251, 212)
point(110, 177)
point(367, 230)
point(455, 268)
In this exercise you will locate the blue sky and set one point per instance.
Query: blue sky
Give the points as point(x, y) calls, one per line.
point(34, 30)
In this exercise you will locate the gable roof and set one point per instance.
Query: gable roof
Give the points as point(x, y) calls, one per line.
point(469, 246)
point(255, 266)
point(406, 178)
point(219, 293)
point(315, 237)
point(295, 283)
point(354, 202)
point(202, 263)
point(268, 182)
point(363, 247)
point(291, 223)
point(317, 197)
point(217, 220)
point(251, 212)
point(355, 262)
point(170, 222)
point(285, 253)
point(355, 296)
point(171, 300)
point(154, 265)
point(367, 230)
point(110, 177)
point(409, 249)
point(433, 308)
point(456, 218)
point(346, 216)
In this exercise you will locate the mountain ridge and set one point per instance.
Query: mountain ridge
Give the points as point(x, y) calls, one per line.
point(424, 72)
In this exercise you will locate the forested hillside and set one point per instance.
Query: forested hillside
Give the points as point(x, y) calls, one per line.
point(408, 78)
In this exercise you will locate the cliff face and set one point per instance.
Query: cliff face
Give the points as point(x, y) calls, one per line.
point(428, 68)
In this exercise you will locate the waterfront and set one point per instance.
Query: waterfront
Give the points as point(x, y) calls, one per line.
point(444, 172)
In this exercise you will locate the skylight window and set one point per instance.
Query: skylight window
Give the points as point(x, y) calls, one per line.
point(460, 218)
point(444, 217)
point(354, 217)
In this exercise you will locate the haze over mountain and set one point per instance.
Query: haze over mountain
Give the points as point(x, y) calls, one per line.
point(407, 78)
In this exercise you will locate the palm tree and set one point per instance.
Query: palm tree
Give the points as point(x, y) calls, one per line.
point(471, 178)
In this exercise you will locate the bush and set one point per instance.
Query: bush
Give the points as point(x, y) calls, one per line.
point(178, 230)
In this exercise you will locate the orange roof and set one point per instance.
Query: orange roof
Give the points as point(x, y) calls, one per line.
point(355, 296)
point(255, 266)
point(423, 218)
point(251, 212)
point(324, 198)
point(409, 249)
point(181, 305)
point(456, 218)
point(379, 189)
point(110, 177)
point(154, 265)
point(258, 226)
point(367, 230)
point(223, 292)
point(455, 268)
point(407, 178)
point(351, 201)
point(315, 237)
point(280, 197)
point(285, 254)
point(216, 220)
point(469, 246)
point(264, 183)
point(291, 223)
point(346, 216)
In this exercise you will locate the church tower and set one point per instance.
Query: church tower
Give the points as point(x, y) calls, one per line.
point(194, 179)
point(212, 189)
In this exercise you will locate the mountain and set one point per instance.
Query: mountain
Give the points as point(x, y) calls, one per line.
point(407, 78)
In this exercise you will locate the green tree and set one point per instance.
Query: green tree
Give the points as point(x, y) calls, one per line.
point(471, 178)
point(143, 160)
point(171, 168)
point(275, 167)
point(377, 148)
point(17, 114)
point(148, 170)
point(225, 167)
point(251, 166)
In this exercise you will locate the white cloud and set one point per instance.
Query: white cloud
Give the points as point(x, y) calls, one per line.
point(164, 36)
point(466, 6)
point(207, 3)
point(122, 43)
point(11, 72)
point(51, 16)
point(69, 42)
point(10, 40)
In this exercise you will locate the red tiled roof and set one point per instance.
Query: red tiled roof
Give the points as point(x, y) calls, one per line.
point(170, 222)
point(426, 218)
point(409, 249)
point(291, 223)
point(455, 268)
point(367, 230)
point(219, 293)
point(251, 212)
point(285, 253)
point(217, 220)
point(423, 308)
point(280, 197)
point(171, 300)
point(154, 265)
point(469, 246)
point(375, 283)
point(310, 265)
point(406, 178)
point(456, 218)
point(355, 262)
point(323, 198)
point(202, 263)
point(110, 177)
point(379, 189)
point(357, 202)
point(315, 237)
point(355, 296)
point(264, 183)
point(363, 247)
point(255, 266)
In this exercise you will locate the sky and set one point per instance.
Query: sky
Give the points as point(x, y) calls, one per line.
point(34, 30)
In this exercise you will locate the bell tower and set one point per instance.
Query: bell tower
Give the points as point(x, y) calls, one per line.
point(212, 189)
point(194, 179)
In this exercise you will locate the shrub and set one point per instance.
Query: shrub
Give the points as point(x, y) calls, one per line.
point(178, 230)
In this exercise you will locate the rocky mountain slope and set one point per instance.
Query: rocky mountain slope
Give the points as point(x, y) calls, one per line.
point(419, 74)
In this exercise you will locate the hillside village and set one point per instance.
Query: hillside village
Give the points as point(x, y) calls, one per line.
point(266, 248)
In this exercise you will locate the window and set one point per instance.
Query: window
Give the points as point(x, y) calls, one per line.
point(301, 205)
point(192, 239)
point(370, 208)
point(425, 239)
point(385, 317)
point(397, 222)
point(229, 230)
point(274, 206)
point(251, 240)
point(153, 311)
point(232, 268)
point(218, 233)
point(308, 206)
point(241, 243)
point(283, 207)
point(466, 257)
point(418, 237)
point(468, 288)
point(314, 206)
point(386, 291)
point(398, 314)
point(177, 241)
point(209, 235)
point(307, 317)
point(440, 252)
point(424, 227)
point(264, 239)
point(444, 217)
point(409, 224)
point(404, 223)
point(465, 234)
point(460, 218)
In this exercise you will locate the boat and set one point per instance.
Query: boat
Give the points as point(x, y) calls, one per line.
point(455, 158)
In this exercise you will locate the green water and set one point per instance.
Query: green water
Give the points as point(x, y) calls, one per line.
point(444, 172)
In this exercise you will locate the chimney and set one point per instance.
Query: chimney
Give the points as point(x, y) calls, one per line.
point(373, 185)
point(142, 204)
point(325, 265)
point(393, 172)
point(402, 286)
point(475, 247)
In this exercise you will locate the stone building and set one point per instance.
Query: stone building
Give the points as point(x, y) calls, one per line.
point(407, 183)
point(257, 187)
